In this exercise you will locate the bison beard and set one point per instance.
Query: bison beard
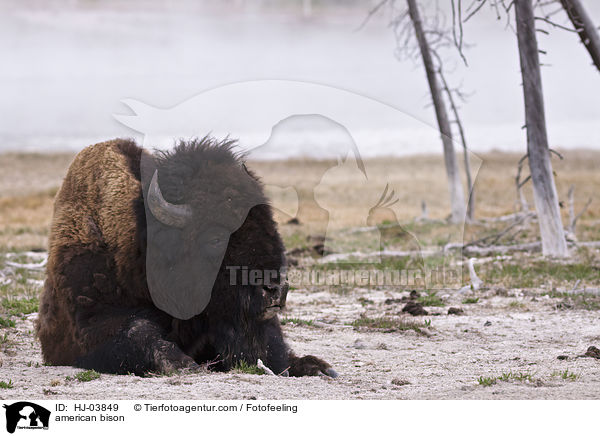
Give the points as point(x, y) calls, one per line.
point(96, 310)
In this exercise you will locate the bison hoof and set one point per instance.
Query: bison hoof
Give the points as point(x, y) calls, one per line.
point(311, 365)
point(185, 364)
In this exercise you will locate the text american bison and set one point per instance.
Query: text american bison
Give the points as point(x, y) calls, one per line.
point(113, 232)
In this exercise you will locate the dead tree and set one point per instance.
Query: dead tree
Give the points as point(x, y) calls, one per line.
point(584, 27)
point(544, 189)
point(572, 216)
point(520, 183)
point(457, 199)
point(463, 140)
point(431, 36)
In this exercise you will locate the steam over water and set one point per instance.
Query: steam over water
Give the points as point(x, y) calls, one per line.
point(67, 65)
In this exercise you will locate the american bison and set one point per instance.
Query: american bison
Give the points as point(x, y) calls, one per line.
point(130, 259)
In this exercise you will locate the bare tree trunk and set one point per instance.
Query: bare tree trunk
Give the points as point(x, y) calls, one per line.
point(457, 199)
point(544, 189)
point(583, 24)
point(519, 184)
point(461, 131)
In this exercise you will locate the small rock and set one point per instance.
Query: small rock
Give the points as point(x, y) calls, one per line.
point(415, 309)
point(382, 346)
point(563, 357)
point(389, 301)
point(321, 324)
point(359, 345)
point(487, 323)
point(400, 382)
point(294, 221)
point(564, 305)
point(593, 352)
point(455, 311)
point(319, 249)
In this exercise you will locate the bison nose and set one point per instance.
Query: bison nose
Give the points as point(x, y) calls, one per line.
point(272, 291)
point(270, 288)
point(277, 293)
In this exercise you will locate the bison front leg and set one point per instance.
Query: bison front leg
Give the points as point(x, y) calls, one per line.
point(282, 360)
point(309, 365)
point(139, 347)
point(88, 320)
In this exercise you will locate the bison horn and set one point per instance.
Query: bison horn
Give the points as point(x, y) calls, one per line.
point(175, 215)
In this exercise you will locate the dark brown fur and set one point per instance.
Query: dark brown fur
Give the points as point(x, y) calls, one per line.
point(96, 310)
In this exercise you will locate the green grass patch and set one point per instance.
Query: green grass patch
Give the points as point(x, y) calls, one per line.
point(471, 300)
point(533, 274)
point(520, 376)
point(431, 299)
point(85, 376)
point(566, 375)
point(389, 325)
point(22, 306)
point(5, 322)
point(243, 367)
point(5, 385)
point(296, 321)
point(487, 381)
point(507, 377)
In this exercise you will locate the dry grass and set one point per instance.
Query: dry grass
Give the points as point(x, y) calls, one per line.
point(345, 193)
point(28, 183)
point(423, 177)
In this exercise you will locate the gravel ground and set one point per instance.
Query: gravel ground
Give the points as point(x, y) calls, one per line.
point(520, 333)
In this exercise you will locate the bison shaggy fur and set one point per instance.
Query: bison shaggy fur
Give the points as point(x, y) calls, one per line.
point(96, 310)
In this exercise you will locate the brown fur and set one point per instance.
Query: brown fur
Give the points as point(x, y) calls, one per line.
point(96, 310)
point(76, 228)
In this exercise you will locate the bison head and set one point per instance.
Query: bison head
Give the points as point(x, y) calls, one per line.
point(203, 214)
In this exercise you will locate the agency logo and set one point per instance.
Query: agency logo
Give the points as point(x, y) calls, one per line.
point(348, 199)
point(26, 415)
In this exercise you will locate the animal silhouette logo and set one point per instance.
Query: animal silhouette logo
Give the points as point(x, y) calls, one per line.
point(337, 127)
point(26, 415)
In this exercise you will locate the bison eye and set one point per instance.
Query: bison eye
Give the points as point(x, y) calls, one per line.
point(217, 242)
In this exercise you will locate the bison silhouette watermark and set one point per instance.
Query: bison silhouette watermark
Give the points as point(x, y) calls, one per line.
point(305, 120)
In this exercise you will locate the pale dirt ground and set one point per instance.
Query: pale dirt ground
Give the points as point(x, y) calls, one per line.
point(445, 363)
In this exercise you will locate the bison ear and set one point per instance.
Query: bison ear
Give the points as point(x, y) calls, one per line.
point(250, 173)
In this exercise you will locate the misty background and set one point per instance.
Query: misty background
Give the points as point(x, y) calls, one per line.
point(68, 64)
